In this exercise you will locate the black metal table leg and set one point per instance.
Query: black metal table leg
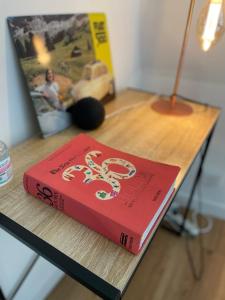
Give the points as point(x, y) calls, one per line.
point(2, 297)
point(197, 178)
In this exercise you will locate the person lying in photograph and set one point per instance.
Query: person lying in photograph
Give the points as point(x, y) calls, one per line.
point(50, 90)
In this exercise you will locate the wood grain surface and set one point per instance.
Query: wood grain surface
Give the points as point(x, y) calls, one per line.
point(137, 130)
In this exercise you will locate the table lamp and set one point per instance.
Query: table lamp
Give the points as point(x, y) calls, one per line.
point(210, 28)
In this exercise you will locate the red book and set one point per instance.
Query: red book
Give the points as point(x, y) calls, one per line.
point(119, 195)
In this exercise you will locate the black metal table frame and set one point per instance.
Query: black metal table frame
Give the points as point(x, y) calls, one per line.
point(72, 268)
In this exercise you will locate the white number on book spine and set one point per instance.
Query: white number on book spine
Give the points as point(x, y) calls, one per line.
point(101, 172)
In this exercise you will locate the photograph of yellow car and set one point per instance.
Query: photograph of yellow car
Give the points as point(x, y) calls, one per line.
point(96, 81)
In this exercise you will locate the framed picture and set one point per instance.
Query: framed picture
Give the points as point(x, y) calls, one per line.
point(64, 58)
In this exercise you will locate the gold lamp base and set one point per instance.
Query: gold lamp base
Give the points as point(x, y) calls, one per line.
point(171, 106)
point(166, 106)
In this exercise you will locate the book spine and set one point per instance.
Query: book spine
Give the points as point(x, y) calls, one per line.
point(112, 230)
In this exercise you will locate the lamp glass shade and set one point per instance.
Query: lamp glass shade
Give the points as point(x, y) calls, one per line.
point(211, 23)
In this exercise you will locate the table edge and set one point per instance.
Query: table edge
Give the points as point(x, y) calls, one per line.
point(87, 278)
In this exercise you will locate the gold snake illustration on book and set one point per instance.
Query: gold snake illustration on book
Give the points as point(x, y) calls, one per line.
point(103, 173)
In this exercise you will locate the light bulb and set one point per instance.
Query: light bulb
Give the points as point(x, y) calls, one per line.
point(211, 24)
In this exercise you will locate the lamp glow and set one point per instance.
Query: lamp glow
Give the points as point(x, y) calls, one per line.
point(211, 23)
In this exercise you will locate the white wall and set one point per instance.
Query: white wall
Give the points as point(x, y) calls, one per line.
point(14, 259)
point(42, 278)
point(16, 112)
point(203, 78)
point(4, 118)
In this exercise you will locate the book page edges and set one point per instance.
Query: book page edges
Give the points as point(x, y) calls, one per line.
point(157, 214)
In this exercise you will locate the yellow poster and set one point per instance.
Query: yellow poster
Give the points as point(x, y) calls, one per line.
point(100, 38)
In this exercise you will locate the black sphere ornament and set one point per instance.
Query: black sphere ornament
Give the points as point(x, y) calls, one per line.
point(88, 113)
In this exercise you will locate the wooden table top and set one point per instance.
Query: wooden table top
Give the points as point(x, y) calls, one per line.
point(139, 131)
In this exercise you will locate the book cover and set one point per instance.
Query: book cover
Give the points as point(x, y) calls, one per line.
point(114, 193)
point(64, 58)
